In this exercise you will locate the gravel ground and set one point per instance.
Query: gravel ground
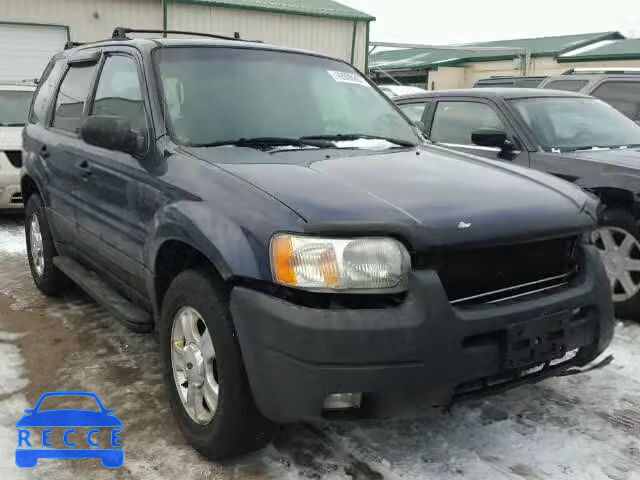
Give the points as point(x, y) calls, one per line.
point(579, 427)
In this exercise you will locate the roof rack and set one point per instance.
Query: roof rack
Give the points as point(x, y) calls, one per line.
point(71, 44)
point(120, 33)
point(603, 71)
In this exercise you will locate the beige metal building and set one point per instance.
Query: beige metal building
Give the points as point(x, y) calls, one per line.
point(438, 68)
point(31, 29)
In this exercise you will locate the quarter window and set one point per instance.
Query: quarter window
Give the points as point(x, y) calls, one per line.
point(118, 93)
point(623, 96)
point(455, 121)
point(72, 97)
point(45, 91)
point(413, 111)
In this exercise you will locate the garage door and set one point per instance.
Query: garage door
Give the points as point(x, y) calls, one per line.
point(26, 49)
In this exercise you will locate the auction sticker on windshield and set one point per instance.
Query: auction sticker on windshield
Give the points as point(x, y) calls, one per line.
point(80, 433)
point(348, 77)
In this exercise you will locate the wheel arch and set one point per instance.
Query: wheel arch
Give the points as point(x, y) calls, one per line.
point(28, 187)
point(173, 257)
point(195, 236)
point(614, 196)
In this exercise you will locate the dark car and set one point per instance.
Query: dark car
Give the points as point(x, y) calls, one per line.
point(515, 81)
point(573, 136)
point(620, 88)
point(296, 245)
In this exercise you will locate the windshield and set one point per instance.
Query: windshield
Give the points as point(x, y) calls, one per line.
point(216, 95)
point(565, 124)
point(14, 107)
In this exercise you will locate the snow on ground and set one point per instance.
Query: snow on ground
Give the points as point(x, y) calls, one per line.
point(582, 427)
point(12, 236)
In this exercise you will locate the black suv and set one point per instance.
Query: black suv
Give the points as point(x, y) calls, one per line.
point(619, 88)
point(573, 136)
point(296, 245)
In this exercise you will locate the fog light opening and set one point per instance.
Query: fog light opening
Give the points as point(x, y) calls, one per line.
point(342, 401)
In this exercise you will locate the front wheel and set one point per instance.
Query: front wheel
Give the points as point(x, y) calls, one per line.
point(618, 241)
point(203, 370)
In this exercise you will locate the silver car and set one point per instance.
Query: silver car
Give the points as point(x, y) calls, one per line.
point(15, 100)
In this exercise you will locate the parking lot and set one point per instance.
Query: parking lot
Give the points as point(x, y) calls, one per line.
point(585, 426)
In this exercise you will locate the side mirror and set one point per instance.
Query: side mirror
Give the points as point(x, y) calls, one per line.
point(113, 133)
point(419, 124)
point(490, 137)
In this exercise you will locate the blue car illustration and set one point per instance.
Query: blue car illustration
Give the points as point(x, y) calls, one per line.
point(69, 418)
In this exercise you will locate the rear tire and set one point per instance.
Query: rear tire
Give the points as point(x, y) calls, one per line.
point(41, 250)
point(618, 241)
point(234, 425)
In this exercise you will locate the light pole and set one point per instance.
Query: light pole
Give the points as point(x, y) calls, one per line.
point(164, 18)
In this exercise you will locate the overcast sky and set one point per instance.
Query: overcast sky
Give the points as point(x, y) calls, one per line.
point(453, 21)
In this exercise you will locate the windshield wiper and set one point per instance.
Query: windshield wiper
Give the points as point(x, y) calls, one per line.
point(268, 143)
point(357, 136)
point(12, 124)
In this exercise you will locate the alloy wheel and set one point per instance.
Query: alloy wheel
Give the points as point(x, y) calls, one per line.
point(35, 242)
point(620, 253)
point(193, 361)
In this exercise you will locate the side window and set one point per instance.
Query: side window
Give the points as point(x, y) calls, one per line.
point(455, 121)
point(72, 96)
point(623, 96)
point(566, 85)
point(119, 92)
point(45, 91)
point(414, 111)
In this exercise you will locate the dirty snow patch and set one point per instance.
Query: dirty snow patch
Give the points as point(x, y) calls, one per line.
point(12, 239)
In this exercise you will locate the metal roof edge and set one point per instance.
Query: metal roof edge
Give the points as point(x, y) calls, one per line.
point(613, 35)
point(601, 57)
point(364, 17)
point(451, 63)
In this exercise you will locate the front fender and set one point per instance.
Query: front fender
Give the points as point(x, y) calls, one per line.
point(230, 248)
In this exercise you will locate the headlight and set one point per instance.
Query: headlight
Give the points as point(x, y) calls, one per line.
point(366, 263)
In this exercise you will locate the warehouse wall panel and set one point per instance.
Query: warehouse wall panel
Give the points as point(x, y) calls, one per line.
point(88, 20)
point(325, 35)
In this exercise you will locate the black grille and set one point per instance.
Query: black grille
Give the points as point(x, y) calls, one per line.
point(15, 157)
point(491, 274)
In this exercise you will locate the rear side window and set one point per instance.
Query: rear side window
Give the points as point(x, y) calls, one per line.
point(119, 92)
point(45, 91)
point(623, 96)
point(455, 121)
point(72, 96)
point(566, 85)
point(530, 82)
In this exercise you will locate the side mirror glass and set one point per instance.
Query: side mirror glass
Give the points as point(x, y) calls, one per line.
point(113, 133)
point(490, 137)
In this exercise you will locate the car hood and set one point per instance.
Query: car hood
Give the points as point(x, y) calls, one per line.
point(69, 418)
point(623, 157)
point(431, 196)
point(11, 138)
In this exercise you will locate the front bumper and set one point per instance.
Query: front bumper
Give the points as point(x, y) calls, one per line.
point(423, 350)
point(10, 197)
